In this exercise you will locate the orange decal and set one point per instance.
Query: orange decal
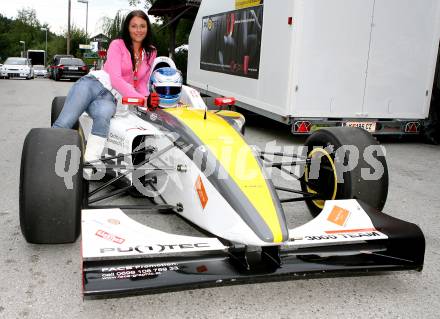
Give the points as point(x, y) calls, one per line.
point(338, 216)
point(202, 268)
point(345, 231)
point(200, 188)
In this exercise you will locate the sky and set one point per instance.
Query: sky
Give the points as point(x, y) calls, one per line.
point(54, 12)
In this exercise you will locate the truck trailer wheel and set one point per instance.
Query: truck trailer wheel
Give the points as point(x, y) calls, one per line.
point(51, 186)
point(344, 163)
point(57, 107)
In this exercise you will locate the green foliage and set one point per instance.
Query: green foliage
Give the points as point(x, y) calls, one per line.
point(28, 16)
point(77, 36)
point(147, 3)
point(181, 60)
point(112, 27)
point(26, 27)
point(161, 39)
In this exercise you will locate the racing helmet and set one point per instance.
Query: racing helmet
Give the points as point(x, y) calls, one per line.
point(161, 62)
point(167, 83)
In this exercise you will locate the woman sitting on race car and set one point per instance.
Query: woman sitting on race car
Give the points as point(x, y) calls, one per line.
point(126, 72)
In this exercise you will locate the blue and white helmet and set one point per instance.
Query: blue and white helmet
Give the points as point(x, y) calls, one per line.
point(167, 83)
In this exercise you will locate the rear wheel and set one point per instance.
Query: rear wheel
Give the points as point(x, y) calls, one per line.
point(51, 186)
point(345, 163)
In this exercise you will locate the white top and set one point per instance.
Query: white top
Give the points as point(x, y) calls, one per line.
point(103, 77)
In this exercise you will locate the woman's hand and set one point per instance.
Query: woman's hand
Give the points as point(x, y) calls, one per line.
point(152, 101)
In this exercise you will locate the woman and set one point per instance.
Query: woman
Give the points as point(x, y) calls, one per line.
point(127, 70)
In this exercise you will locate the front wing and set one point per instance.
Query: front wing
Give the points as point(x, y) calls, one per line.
point(123, 257)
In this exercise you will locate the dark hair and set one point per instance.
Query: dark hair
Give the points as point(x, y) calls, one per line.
point(125, 34)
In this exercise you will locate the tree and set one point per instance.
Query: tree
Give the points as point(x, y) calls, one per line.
point(77, 36)
point(147, 3)
point(26, 27)
point(28, 16)
point(112, 27)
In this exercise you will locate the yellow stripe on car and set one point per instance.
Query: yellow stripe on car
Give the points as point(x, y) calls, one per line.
point(237, 158)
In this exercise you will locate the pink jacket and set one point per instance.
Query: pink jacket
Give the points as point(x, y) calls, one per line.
point(119, 67)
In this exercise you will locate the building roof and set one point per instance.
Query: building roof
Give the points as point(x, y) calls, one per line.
point(187, 9)
point(100, 38)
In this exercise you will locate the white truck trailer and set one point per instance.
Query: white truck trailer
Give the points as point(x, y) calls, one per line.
point(317, 63)
point(37, 57)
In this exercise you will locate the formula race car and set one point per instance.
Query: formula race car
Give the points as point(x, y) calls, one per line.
point(194, 162)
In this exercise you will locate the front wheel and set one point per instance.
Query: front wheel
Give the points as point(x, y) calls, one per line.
point(51, 186)
point(344, 163)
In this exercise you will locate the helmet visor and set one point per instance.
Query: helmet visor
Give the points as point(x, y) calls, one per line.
point(168, 90)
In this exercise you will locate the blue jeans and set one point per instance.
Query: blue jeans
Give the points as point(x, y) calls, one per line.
point(88, 95)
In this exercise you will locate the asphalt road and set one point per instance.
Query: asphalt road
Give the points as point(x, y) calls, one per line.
point(45, 281)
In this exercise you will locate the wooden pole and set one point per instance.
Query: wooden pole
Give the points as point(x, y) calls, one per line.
point(68, 27)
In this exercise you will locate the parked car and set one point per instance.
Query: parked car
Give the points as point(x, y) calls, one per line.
point(70, 68)
point(49, 71)
point(55, 61)
point(17, 68)
point(40, 70)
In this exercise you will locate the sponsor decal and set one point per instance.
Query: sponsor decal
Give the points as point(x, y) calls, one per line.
point(139, 128)
point(240, 4)
point(113, 221)
point(107, 236)
point(366, 235)
point(116, 140)
point(155, 248)
point(98, 222)
point(200, 188)
point(210, 24)
point(339, 216)
point(350, 231)
point(220, 32)
point(202, 268)
point(137, 271)
point(153, 117)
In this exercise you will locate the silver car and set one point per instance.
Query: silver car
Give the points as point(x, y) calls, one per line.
point(17, 68)
point(40, 70)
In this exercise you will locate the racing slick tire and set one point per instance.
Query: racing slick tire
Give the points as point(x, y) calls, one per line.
point(340, 176)
point(51, 186)
point(57, 107)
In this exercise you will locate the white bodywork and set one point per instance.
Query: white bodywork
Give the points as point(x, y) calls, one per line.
point(182, 187)
point(357, 227)
point(108, 233)
point(339, 58)
point(175, 186)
